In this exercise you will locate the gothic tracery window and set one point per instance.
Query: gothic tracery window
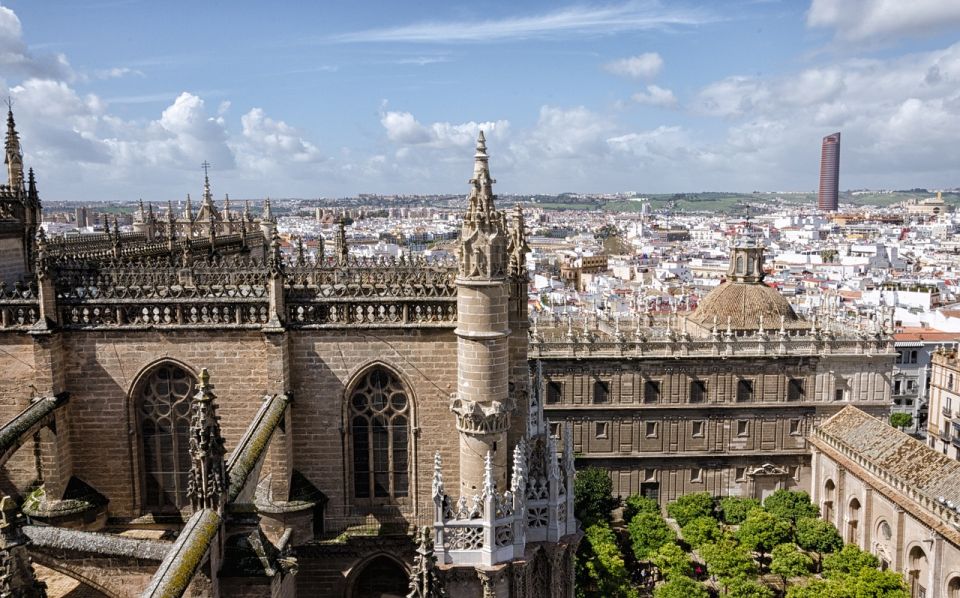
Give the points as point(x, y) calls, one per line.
point(163, 415)
point(379, 427)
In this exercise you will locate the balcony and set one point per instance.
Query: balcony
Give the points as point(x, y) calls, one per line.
point(955, 441)
point(947, 412)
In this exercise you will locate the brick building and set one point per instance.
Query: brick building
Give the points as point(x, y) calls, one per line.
point(189, 411)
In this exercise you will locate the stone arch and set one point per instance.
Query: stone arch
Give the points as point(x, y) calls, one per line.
point(917, 570)
point(159, 415)
point(381, 575)
point(379, 402)
point(953, 587)
point(829, 496)
point(883, 534)
point(853, 520)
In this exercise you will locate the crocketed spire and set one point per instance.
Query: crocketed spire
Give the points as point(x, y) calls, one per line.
point(14, 154)
point(208, 471)
point(483, 240)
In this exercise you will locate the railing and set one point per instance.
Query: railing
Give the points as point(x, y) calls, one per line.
point(19, 305)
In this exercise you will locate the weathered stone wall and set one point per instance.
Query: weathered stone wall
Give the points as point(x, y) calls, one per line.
point(18, 377)
point(324, 364)
point(102, 369)
point(12, 266)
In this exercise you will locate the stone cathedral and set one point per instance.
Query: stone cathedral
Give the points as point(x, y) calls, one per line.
point(187, 411)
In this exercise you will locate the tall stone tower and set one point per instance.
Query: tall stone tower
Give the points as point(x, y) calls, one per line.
point(482, 403)
point(20, 211)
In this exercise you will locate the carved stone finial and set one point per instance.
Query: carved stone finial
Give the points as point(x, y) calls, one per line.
point(489, 488)
point(518, 483)
point(424, 581)
point(14, 154)
point(438, 491)
point(275, 256)
point(301, 258)
point(207, 479)
point(267, 215)
point(342, 249)
point(517, 246)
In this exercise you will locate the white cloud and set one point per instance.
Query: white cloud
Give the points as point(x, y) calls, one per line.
point(655, 96)
point(403, 128)
point(16, 58)
point(118, 72)
point(856, 20)
point(644, 66)
point(577, 20)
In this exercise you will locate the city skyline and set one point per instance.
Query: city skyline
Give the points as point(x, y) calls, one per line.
point(327, 102)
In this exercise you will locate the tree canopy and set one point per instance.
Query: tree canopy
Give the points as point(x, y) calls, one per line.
point(592, 495)
point(701, 531)
point(850, 560)
point(639, 504)
point(819, 536)
point(681, 587)
point(747, 588)
point(672, 561)
point(601, 571)
point(734, 509)
point(761, 531)
point(901, 420)
point(791, 505)
point(789, 562)
point(728, 560)
point(648, 532)
point(690, 506)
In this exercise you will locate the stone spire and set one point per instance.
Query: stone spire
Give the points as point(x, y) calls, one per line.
point(517, 246)
point(33, 197)
point(188, 211)
point(16, 573)
point(483, 242)
point(267, 215)
point(341, 247)
point(424, 581)
point(208, 471)
point(14, 153)
point(171, 226)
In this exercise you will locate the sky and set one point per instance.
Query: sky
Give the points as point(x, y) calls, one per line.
point(124, 99)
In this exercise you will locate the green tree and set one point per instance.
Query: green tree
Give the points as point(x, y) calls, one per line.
point(748, 588)
point(600, 568)
point(593, 495)
point(639, 504)
point(672, 561)
point(819, 536)
point(761, 531)
point(648, 532)
point(791, 505)
point(734, 509)
point(850, 560)
point(867, 583)
point(700, 531)
point(874, 582)
point(727, 560)
point(788, 562)
point(901, 420)
point(681, 587)
point(690, 506)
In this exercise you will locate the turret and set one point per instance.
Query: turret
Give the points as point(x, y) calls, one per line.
point(268, 223)
point(482, 404)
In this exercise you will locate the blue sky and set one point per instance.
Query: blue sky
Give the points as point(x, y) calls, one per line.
point(119, 99)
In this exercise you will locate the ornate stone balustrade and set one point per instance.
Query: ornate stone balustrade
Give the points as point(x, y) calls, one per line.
point(636, 338)
point(19, 306)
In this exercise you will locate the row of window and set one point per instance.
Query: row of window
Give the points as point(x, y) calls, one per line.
point(697, 391)
point(379, 432)
point(698, 428)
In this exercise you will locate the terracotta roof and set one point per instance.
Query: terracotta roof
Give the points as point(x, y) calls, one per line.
point(744, 303)
point(899, 455)
point(925, 334)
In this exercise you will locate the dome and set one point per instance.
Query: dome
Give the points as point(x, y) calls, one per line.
point(744, 303)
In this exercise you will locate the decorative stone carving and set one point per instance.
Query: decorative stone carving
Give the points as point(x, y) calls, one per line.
point(424, 581)
point(483, 239)
point(207, 478)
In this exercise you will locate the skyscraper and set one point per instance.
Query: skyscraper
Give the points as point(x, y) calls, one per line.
point(829, 173)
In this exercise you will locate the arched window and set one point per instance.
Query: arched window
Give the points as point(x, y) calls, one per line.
point(163, 417)
point(953, 588)
point(379, 427)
